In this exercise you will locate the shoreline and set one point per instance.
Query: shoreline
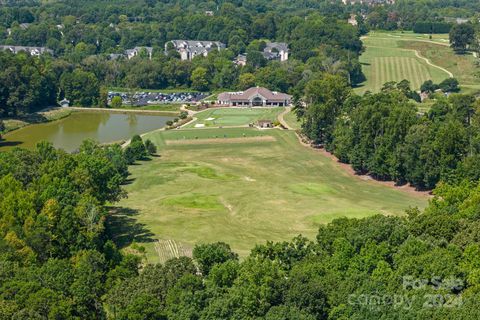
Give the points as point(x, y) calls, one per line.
point(43, 116)
point(127, 111)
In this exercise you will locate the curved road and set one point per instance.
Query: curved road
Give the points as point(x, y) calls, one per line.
point(282, 120)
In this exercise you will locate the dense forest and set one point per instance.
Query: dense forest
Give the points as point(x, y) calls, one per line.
point(386, 136)
point(58, 256)
point(82, 35)
point(59, 261)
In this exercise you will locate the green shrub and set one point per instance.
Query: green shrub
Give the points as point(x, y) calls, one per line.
point(135, 151)
point(183, 115)
point(150, 146)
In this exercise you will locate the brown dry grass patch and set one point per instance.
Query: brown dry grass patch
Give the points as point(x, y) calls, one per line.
point(222, 140)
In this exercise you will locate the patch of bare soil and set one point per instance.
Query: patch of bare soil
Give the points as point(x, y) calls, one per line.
point(221, 140)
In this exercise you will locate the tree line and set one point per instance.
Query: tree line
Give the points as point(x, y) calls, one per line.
point(60, 261)
point(385, 135)
point(56, 251)
point(420, 266)
point(83, 72)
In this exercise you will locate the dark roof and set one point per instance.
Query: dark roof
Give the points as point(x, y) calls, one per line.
point(280, 46)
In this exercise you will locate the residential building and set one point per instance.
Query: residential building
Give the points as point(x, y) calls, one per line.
point(241, 60)
point(368, 2)
point(272, 51)
point(254, 97)
point(33, 51)
point(353, 20)
point(276, 51)
point(131, 53)
point(189, 49)
point(64, 103)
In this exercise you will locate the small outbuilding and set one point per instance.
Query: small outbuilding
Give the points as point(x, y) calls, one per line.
point(64, 103)
point(265, 123)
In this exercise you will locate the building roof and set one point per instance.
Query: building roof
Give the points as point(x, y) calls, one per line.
point(148, 49)
point(241, 58)
point(270, 55)
point(280, 46)
point(137, 50)
point(197, 46)
point(249, 94)
point(16, 49)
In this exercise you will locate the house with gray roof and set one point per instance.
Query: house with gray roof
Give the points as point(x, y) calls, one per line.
point(33, 51)
point(272, 51)
point(254, 97)
point(189, 49)
point(131, 53)
point(116, 56)
point(276, 51)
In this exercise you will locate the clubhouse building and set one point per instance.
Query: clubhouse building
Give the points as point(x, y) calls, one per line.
point(254, 97)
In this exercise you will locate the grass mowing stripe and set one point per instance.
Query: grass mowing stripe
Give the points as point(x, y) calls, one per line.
point(395, 74)
point(376, 71)
point(383, 71)
point(276, 192)
point(411, 70)
point(415, 71)
point(398, 69)
point(391, 72)
point(403, 62)
point(381, 46)
point(420, 69)
point(421, 76)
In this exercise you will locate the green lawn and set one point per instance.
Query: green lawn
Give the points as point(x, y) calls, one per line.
point(209, 133)
point(291, 119)
point(230, 117)
point(36, 117)
point(463, 67)
point(168, 108)
point(241, 193)
point(387, 58)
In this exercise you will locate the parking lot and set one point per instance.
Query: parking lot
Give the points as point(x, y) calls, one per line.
point(146, 98)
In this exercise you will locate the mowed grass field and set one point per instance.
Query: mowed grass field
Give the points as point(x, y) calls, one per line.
point(463, 67)
point(291, 119)
point(265, 186)
point(228, 117)
point(387, 58)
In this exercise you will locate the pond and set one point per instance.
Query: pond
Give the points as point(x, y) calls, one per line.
point(69, 132)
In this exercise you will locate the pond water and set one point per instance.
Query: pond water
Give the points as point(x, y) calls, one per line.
point(69, 132)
